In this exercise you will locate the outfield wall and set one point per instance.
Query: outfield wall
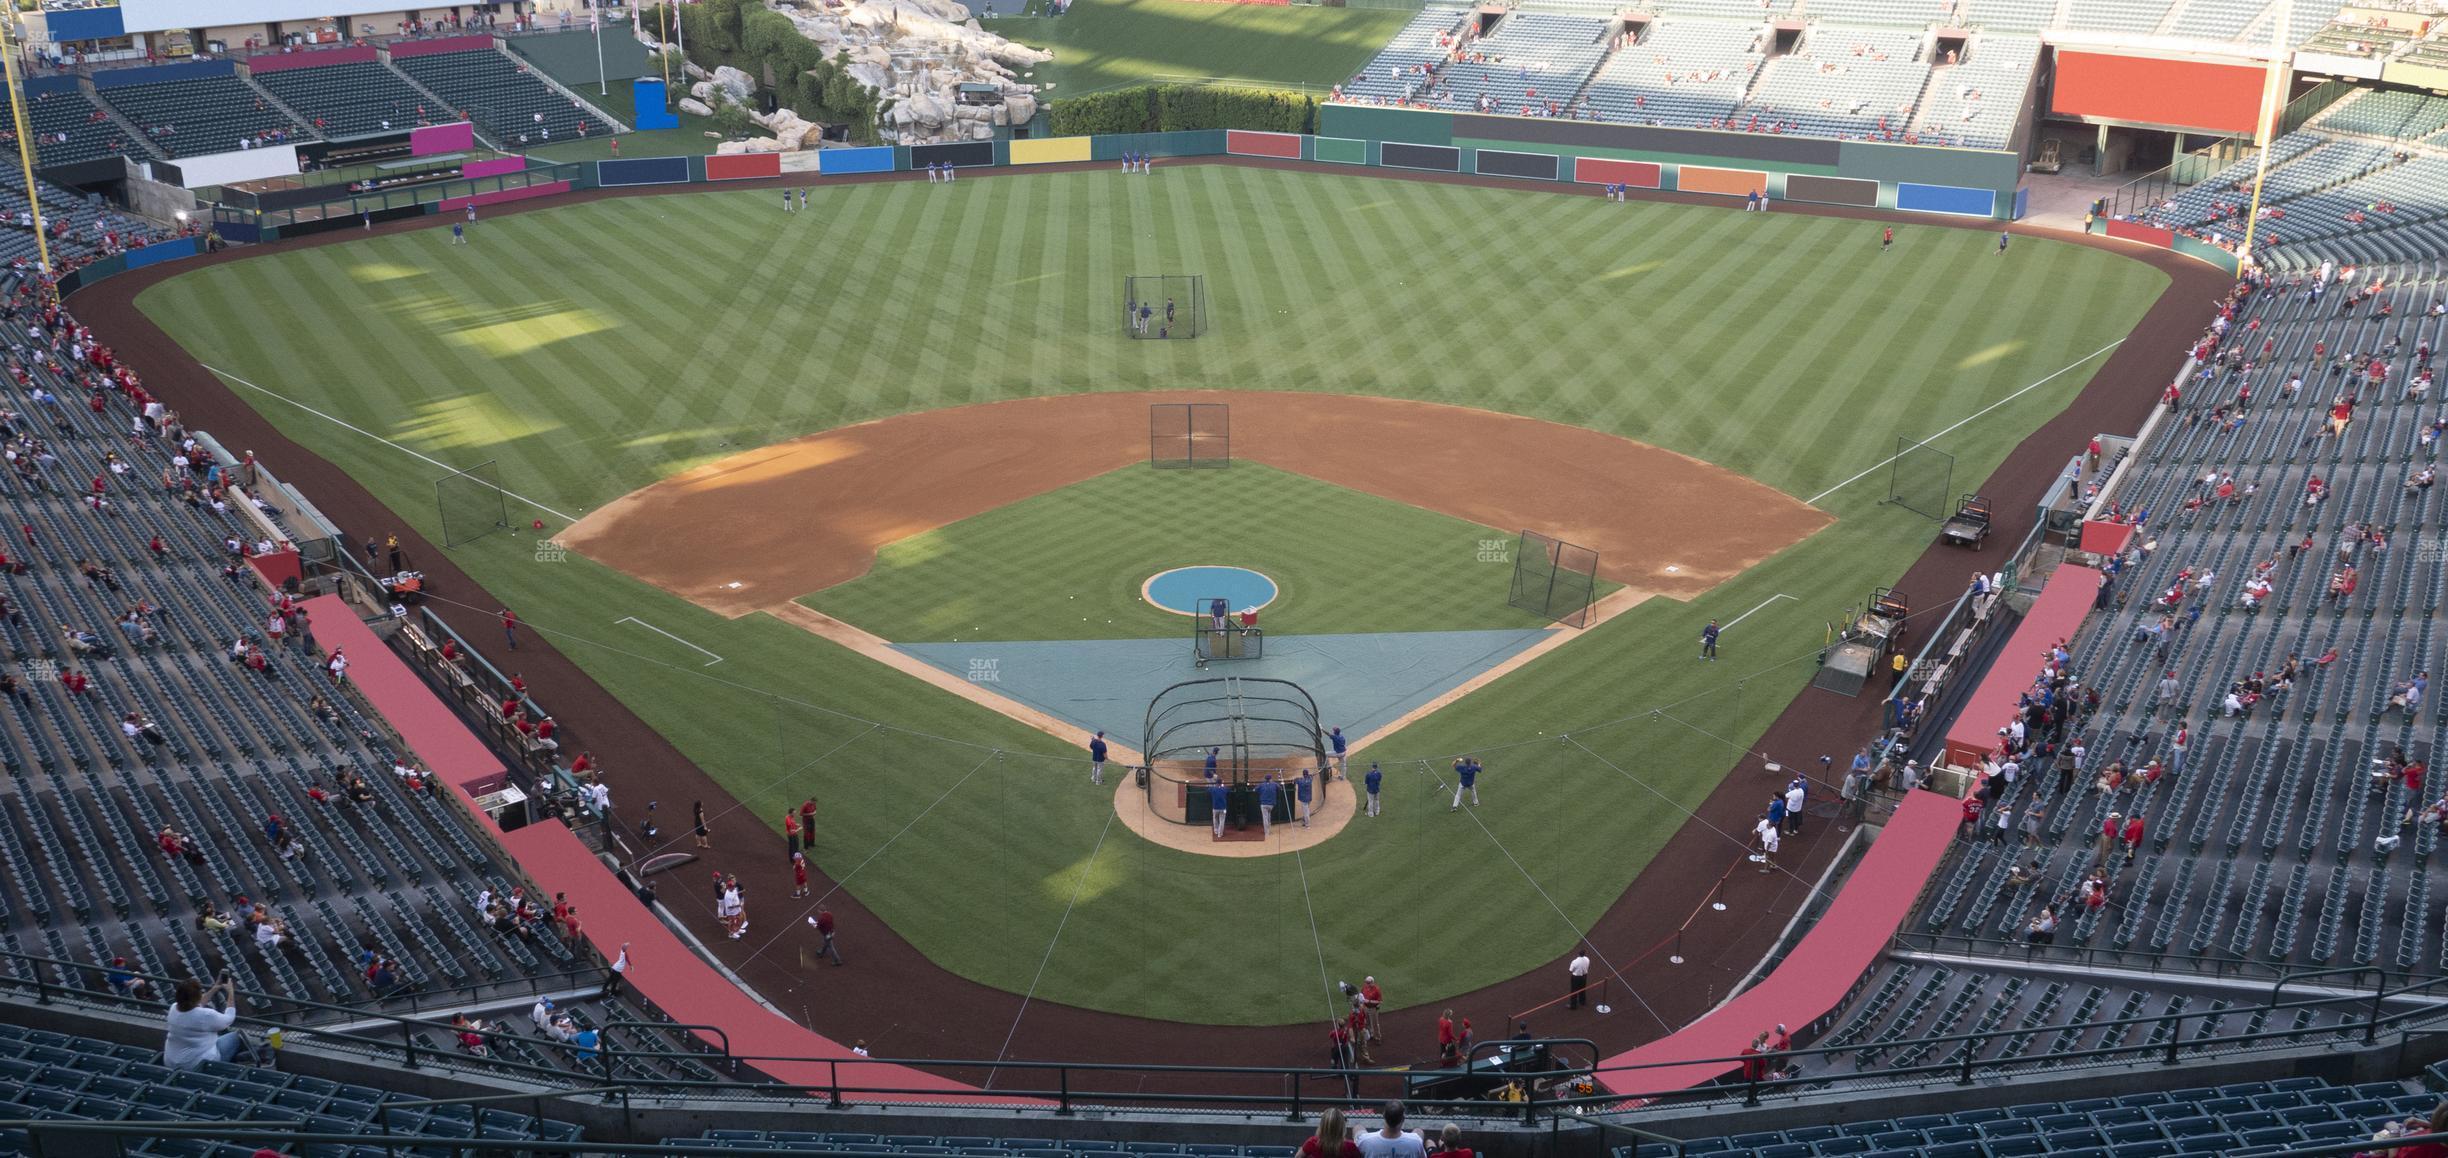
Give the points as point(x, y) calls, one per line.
point(1971, 184)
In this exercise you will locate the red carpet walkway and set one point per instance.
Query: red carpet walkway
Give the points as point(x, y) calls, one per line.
point(1812, 980)
point(661, 968)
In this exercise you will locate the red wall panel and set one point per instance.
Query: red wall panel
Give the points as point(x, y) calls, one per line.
point(2146, 234)
point(1600, 171)
point(2189, 94)
point(742, 166)
point(1245, 143)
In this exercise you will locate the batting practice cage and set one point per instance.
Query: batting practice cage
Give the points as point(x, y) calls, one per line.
point(472, 503)
point(1218, 630)
point(1189, 434)
point(1554, 578)
point(1921, 479)
point(1254, 727)
point(1165, 305)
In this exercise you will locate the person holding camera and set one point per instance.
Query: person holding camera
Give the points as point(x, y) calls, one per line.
point(199, 1024)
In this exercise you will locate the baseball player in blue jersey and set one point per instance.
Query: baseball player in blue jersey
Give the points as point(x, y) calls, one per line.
point(1268, 793)
point(1301, 791)
point(1216, 803)
point(1211, 762)
point(1335, 740)
point(1373, 779)
point(1708, 640)
point(1466, 779)
point(1096, 760)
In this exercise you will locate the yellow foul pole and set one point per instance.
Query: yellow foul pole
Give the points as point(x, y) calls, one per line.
point(25, 140)
point(2273, 101)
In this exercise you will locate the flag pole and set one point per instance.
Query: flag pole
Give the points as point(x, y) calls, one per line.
point(2273, 100)
point(603, 84)
point(25, 143)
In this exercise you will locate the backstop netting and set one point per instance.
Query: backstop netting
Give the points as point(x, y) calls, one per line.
point(1254, 727)
point(1921, 479)
point(472, 503)
point(1189, 434)
point(1553, 578)
point(1164, 305)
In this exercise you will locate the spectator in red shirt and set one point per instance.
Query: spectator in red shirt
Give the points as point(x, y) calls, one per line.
point(1755, 1059)
point(1446, 1041)
point(1332, 1140)
point(2133, 835)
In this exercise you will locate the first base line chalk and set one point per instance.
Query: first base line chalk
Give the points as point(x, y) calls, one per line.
point(674, 638)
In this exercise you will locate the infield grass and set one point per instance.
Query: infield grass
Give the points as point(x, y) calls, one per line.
point(593, 348)
point(1069, 565)
point(1105, 44)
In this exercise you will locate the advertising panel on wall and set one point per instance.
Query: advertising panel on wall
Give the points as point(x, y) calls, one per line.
point(1378, 123)
point(1950, 199)
point(1601, 171)
point(1498, 163)
point(1248, 143)
point(2178, 92)
point(428, 140)
point(958, 154)
point(158, 15)
point(1051, 150)
point(642, 171)
point(1340, 150)
point(1727, 182)
point(312, 58)
point(1831, 190)
point(229, 168)
point(1436, 158)
point(878, 159)
point(1763, 147)
point(743, 166)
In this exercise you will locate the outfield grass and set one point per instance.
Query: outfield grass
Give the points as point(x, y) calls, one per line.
point(1104, 44)
point(1069, 565)
point(594, 348)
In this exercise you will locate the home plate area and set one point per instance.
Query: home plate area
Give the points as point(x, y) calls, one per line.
point(1362, 682)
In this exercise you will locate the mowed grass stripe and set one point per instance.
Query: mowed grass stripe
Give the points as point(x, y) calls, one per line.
point(1565, 308)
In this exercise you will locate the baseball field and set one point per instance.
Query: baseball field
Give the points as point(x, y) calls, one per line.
point(735, 388)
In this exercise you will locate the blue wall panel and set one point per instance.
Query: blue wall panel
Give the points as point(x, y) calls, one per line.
point(69, 24)
point(161, 251)
point(642, 171)
point(874, 160)
point(1953, 199)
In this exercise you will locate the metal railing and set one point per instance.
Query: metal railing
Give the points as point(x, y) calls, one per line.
point(1064, 1087)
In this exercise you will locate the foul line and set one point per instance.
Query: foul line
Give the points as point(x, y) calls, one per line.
point(674, 638)
point(343, 423)
point(1729, 624)
point(1076, 887)
point(1325, 985)
point(1580, 934)
point(2066, 369)
point(843, 880)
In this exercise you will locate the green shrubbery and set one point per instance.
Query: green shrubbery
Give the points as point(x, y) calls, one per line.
point(1173, 108)
point(764, 44)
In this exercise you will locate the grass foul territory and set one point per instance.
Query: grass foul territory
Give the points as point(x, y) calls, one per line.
point(593, 348)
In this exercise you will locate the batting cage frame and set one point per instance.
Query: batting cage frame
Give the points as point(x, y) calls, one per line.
point(1189, 434)
point(1921, 479)
point(1235, 639)
point(1257, 725)
point(472, 503)
point(1158, 307)
point(1553, 578)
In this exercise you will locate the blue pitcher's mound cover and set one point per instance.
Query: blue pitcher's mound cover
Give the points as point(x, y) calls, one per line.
point(1186, 590)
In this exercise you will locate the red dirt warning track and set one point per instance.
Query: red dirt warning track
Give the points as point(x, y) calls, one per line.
point(904, 1005)
point(800, 516)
